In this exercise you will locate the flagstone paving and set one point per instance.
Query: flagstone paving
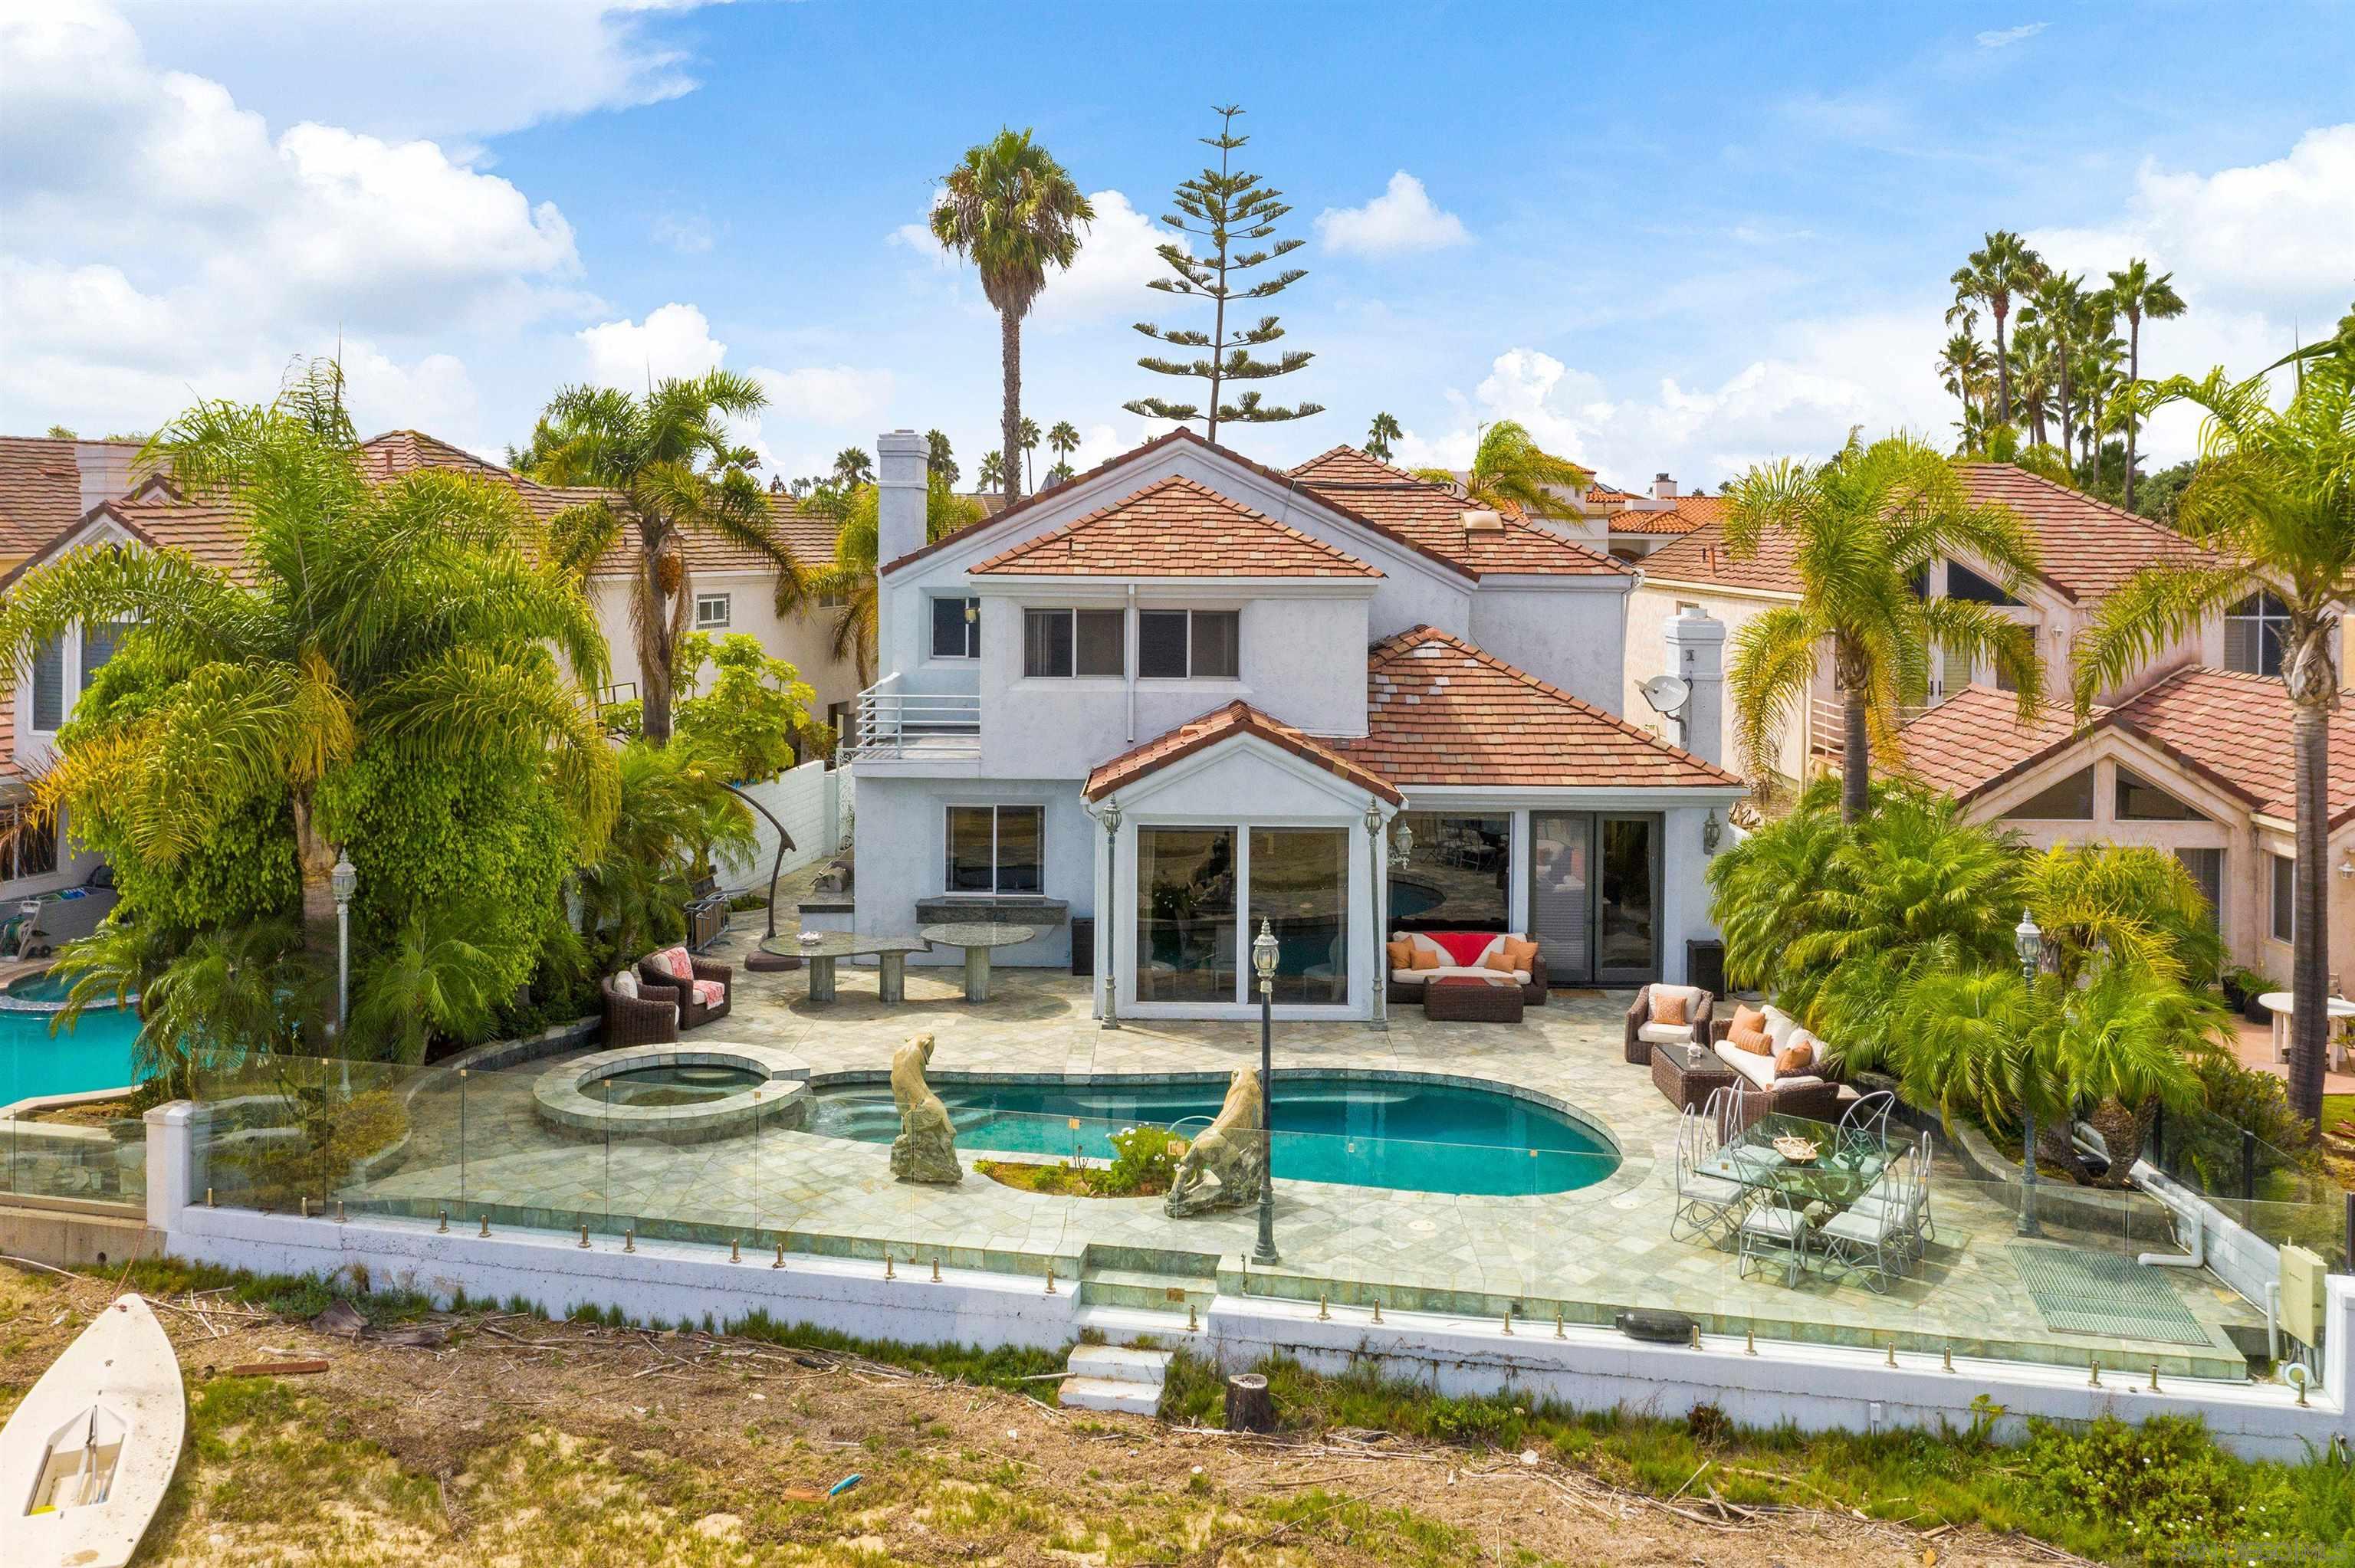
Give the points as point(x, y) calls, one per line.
point(1585, 1253)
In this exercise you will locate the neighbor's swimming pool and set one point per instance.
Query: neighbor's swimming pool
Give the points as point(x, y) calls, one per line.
point(1361, 1128)
point(95, 1054)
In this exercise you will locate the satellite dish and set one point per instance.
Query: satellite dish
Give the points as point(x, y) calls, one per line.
point(1667, 694)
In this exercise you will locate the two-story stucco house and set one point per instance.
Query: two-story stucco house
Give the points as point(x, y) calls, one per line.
point(1183, 694)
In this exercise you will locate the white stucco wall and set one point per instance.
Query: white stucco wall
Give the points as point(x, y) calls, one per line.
point(904, 847)
point(1565, 630)
point(1649, 610)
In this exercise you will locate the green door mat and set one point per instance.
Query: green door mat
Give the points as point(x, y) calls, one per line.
point(2102, 1293)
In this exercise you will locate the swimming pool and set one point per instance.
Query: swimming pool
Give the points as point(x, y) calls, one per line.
point(95, 1054)
point(1363, 1129)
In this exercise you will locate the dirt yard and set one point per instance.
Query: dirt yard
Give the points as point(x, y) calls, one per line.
point(525, 1443)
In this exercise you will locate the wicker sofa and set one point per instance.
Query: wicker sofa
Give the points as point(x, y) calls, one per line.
point(1814, 1096)
point(653, 977)
point(1407, 985)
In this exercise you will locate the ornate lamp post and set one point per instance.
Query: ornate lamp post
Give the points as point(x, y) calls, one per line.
point(342, 881)
point(2030, 943)
point(1264, 956)
point(1377, 868)
point(1106, 919)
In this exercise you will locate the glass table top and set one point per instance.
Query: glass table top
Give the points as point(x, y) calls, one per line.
point(842, 945)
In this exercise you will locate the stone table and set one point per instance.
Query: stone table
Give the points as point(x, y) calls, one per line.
point(890, 952)
point(977, 937)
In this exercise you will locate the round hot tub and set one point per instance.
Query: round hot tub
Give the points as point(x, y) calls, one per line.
point(674, 1093)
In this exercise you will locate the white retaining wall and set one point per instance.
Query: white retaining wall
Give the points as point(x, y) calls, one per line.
point(2237, 1254)
point(806, 799)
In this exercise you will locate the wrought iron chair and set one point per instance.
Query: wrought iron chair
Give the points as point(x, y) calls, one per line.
point(1903, 1194)
point(1708, 1204)
point(1773, 1229)
point(1869, 1239)
point(1864, 1126)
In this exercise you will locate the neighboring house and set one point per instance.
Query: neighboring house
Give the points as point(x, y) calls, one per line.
point(1183, 693)
point(1639, 524)
point(47, 483)
point(2198, 762)
point(2087, 548)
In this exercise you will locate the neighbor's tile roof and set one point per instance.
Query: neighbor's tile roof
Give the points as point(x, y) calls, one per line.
point(41, 489)
point(1237, 718)
point(2231, 730)
point(1688, 514)
point(1432, 517)
point(2088, 547)
point(1175, 527)
point(1440, 711)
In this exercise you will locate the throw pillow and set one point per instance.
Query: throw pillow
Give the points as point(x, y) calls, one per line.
point(1668, 1006)
point(1798, 1056)
point(1524, 955)
point(675, 963)
point(1748, 1017)
point(1425, 959)
point(1402, 954)
point(1751, 1040)
point(1498, 961)
point(626, 984)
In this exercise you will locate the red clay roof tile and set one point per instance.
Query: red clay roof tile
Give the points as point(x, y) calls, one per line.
point(1175, 527)
point(1237, 718)
point(1432, 517)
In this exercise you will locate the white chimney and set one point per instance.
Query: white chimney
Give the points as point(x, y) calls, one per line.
point(1663, 488)
point(1696, 646)
point(900, 495)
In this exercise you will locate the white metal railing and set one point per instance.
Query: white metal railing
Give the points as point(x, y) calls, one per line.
point(893, 724)
point(1828, 721)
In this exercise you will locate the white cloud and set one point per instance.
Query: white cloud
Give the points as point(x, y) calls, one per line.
point(689, 234)
point(673, 340)
point(2004, 39)
point(1402, 218)
point(839, 395)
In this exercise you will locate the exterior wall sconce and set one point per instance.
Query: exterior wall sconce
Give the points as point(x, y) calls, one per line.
point(2347, 865)
point(1712, 833)
point(1401, 843)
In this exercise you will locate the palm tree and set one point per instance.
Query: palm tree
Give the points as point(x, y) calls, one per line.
point(852, 577)
point(1013, 211)
point(2033, 375)
point(2138, 294)
point(1510, 472)
point(1864, 526)
point(422, 614)
point(853, 468)
point(938, 461)
point(668, 468)
point(2058, 303)
point(1966, 367)
point(1991, 276)
point(1028, 432)
point(2274, 500)
point(1064, 438)
point(992, 473)
point(1380, 435)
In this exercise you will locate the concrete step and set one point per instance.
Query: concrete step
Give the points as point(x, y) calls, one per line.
point(1127, 1325)
point(1139, 1287)
point(1104, 1393)
point(1119, 1364)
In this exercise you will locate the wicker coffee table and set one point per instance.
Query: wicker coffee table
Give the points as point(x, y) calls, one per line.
point(1461, 1000)
point(1688, 1075)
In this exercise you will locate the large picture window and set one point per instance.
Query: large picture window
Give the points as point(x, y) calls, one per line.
point(1186, 884)
point(1299, 883)
point(1176, 644)
point(956, 629)
point(2069, 801)
point(2207, 869)
point(997, 849)
point(1458, 876)
point(1063, 642)
point(50, 685)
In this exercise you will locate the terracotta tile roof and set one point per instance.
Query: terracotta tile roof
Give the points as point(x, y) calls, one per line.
point(1440, 711)
point(1237, 718)
point(1686, 513)
point(1975, 737)
point(1175, 527)
point(1432, 517)
point(2088, 546)
point(2231, 730)
point(1604, 495)
point(40, 488)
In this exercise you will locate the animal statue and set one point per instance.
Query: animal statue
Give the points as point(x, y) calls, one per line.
point(1223, 1167)
point(925, 1149)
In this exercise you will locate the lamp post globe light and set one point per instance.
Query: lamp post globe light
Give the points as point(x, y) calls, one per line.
point(342, 881)
point(2030, 943)
point(1377, 869)
point(1106, 926)
point(1263, 957)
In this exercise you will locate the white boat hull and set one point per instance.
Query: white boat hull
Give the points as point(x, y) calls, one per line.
point(85, 1458)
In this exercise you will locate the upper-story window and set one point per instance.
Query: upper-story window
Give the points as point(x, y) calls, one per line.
point(2254, 631)
point(1172, 644)
point(99, 643)
point(50, 685)
point(710, 611)
point(956, 628)
point(1074, 642)
point(1966, 584)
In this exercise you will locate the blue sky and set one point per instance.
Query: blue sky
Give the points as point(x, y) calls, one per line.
point(1667, 238)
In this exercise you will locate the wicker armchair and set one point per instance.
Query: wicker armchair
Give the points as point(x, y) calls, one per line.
point(692, 1015)
point(650, 1018)
point(1639, 1014)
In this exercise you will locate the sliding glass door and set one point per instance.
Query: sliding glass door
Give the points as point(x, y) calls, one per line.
point(1198, 905)
point(1594, 897)
point(1186, 884)
point(1300, 885)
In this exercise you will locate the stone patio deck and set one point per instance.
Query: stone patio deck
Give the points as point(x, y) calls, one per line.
point(1582, 1253)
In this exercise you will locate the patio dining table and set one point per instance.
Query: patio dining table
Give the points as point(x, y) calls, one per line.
point(890, 953)
point(2337, 1009)
point(1838, 1176)
point(979, 939)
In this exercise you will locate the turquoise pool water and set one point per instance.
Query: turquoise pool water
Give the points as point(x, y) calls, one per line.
point(1356, 1128)
point(95, 1054)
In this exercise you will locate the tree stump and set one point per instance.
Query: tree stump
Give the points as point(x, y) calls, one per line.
point(1250, 1407)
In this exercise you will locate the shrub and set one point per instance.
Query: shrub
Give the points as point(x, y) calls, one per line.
point(1144, 1162)
point(2164, 1482)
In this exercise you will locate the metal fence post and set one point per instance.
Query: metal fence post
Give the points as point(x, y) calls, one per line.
point(2248, 1166)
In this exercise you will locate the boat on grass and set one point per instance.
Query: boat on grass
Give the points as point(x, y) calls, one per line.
point(85, 1459)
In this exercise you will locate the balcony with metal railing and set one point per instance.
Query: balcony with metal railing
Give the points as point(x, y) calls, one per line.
point(897, 725)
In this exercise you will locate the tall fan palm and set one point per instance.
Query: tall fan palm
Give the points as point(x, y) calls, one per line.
point(2003, 269)
point(1028, 433)
point(1064, 438)
point(1862, 527)
point(1510, 471)
point(2137, 294)
point(1381, 434)
point(853, 468)
point(2057, 303)
point(1013, 211)
point(420, 614)
point(668, 468)
point(1966, 369)
point(991, 475)
point(2274, 498)
point(940, 461)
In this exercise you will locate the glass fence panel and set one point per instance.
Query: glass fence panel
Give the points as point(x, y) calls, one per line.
point(89, 1155)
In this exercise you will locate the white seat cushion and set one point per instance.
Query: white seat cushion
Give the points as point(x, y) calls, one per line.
point(1869, 1228)
point(1691, 994)
point(1782, 1224)
point(1759, 1070)
point(1665, 1033)
point(1715, 1189)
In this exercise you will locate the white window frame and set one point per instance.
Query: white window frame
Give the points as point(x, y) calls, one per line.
point(705, 621)
point(996, 870)
point(1190, 672)
point(2263, 617)
point(970, 607)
